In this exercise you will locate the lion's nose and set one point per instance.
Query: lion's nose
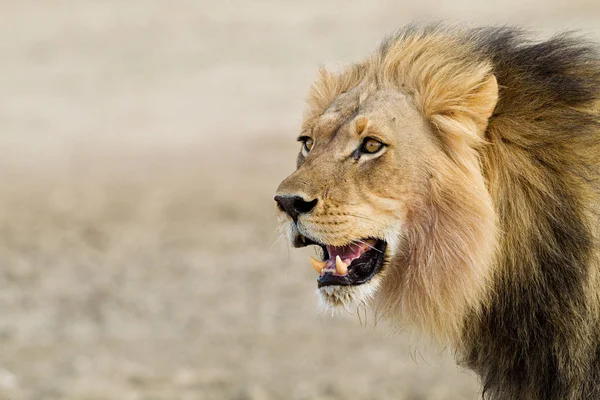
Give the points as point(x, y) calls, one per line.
point(295, 206)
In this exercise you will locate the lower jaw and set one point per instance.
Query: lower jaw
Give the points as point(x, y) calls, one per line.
point(336, 296)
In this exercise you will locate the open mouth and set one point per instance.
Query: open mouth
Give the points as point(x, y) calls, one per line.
point(352, 264)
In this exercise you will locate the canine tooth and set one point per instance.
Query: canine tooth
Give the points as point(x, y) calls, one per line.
point(340, 267)
point(316, 264)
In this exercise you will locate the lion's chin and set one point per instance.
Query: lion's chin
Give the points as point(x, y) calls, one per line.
point(344, 297)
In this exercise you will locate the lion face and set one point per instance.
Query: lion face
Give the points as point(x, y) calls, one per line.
point(390, 184)
point(363, 170)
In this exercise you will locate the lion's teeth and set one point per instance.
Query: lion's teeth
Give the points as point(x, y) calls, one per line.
point(316, 264)
point(340, 267)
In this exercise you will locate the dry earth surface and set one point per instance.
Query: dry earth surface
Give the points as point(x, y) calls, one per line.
point(141, 142)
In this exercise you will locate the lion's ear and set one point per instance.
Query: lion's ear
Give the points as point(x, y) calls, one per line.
point(462, 116)
point(483, 102)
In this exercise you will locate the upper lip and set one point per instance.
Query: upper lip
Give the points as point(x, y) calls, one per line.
point(303, 241)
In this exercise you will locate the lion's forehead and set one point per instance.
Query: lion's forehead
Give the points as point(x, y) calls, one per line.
point(381, 108)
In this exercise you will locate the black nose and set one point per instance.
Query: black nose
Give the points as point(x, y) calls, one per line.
point(295, 205)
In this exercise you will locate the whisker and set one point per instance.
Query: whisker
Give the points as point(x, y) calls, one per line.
point(378, 316)
point(287, 245)
point(276, 240)
point(367, 218)
point(368, 245)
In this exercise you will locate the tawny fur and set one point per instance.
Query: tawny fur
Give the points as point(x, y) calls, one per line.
point(488, 193)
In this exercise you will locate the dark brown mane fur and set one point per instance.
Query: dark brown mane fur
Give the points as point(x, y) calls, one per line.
point(539, 337)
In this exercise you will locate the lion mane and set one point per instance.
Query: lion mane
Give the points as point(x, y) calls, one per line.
point(507, 257)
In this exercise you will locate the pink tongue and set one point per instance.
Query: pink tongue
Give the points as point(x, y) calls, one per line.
point(347, 253)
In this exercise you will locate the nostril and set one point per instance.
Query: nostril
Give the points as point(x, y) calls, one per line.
point(294, 205)
point(279, 203)
point(304, 206)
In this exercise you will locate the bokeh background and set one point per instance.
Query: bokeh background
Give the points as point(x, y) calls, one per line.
point(141, 142)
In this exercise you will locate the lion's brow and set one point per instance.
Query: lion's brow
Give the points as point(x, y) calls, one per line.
point(332, 124)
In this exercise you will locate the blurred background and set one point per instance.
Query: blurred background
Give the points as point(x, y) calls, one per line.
point(141, 144)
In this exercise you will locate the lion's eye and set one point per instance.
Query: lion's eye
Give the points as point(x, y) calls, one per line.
point(371, 146)
point(307, 144)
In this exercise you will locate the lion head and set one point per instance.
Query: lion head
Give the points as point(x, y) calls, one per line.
point(389, 184)
point(459, 206)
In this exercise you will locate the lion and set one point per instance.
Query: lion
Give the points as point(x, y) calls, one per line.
point(452, 183)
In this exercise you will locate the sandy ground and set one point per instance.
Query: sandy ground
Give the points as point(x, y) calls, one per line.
point(141, 143)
